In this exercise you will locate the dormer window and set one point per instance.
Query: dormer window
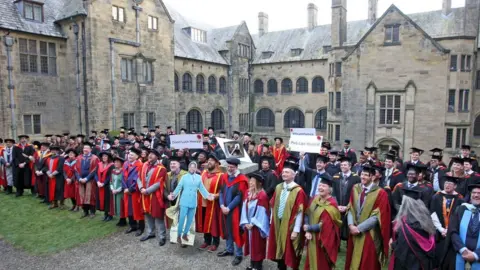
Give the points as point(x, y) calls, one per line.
point(296, 51)
point(196, 34)
point(33, 11)
point(267, 54)
point(327, 49)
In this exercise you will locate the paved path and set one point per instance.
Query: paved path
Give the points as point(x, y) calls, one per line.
point(121, 251)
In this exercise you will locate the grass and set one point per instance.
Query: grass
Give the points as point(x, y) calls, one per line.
point(31, 226)
point(342, 256)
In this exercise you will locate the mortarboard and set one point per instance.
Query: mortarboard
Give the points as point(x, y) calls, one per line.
point(416, 150)
point(412, 193)
point(390, 157)
point(291, 163)
point(452, 179)
point(278, 138)
point(257, 176)
point(347, 141)
point(136, 151)
point(369, 169)
point(321, 158)
point(326, 179)
point(233, 161)
point(24, 136)
point(457, 160)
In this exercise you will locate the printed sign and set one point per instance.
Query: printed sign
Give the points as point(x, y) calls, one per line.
point(190, 141)
point(303, 132)
point(307, 144)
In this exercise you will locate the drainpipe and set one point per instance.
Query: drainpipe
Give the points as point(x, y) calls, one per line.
point(85, 92)
point(229, 99)
point(77, 77)
point(9, 41)
point(137, 15)
point(114, 90)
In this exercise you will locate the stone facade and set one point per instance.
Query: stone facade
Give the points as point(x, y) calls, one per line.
point(408, 80)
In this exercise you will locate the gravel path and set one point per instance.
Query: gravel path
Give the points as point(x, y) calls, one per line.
point(121, 251)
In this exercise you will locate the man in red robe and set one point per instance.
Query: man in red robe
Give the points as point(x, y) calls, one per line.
point(285, 241)
point(232, 193)
point(279, 154)
point(151, 183)
point(207, 217)
point(41, 166)
point(6, 162)
point(55, 178)
point(132, 196)
point(23, 160)
point(369, 223)
point(322, 226)
point(85, 171)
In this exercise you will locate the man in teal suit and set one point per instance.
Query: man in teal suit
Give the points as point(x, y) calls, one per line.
point(189, 185)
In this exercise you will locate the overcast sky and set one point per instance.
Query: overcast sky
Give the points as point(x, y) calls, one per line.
point(287, 14)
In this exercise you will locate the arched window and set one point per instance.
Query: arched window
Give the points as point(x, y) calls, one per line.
point(321, 119)
point(218, 121)
point(194, 120)
point(302, 85)
point(294, 118)
point(223, 85)
point(318, 85)
point(200, 84)
point(177, 87)
point(287, 86)
point(272, 86)
point(258, 87)
point(265, 118)
point(212, 85)
point(476, 127)
point(187, 82)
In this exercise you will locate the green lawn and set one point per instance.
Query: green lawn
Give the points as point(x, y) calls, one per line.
point(342, 255)
point(31, 226)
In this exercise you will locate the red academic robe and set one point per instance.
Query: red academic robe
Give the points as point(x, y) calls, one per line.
point(257, 249)
point(130, 176)
point(69, 191)
point(52, 180)
point(280, 155)
point(233, 218)
point(153, 203)
point(293, 249)
point(86, 192)
point(328, 241)
point(102, 174)
point(3, 172)
point(211, 222)
point(370, 259)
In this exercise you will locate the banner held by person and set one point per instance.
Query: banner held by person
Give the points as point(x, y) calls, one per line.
point(189, 141)
point(308, 144)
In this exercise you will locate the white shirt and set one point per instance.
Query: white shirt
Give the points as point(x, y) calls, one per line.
point(298, 218)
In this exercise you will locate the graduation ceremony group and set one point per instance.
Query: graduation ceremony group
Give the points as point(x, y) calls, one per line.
point(388, 210)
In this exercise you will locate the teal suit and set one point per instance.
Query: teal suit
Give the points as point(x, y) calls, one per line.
point(189, 185)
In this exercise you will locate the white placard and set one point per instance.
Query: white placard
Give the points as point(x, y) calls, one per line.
point(190, 141)
point(307, 144)
point(233, 148)
point(303, 132)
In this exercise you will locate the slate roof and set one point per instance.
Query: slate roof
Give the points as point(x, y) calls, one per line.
point(434, 23)
point(187, 48)
point(53, 10)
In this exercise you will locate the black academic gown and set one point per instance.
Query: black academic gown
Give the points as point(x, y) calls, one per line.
point(398, 192)
point(271, 181)
point(437, 206)
point(341, 191)
point(408, 255)
point(350, 153)
point(332, 168)
point(23, 176)
point(59, 179)
point(306, 179)
point(454, 241)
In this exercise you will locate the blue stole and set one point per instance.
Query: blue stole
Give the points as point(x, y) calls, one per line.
point(460, 262)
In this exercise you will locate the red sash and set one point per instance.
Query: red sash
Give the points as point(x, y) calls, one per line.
point(102, 175)
point(52, 180)
point(154, 178)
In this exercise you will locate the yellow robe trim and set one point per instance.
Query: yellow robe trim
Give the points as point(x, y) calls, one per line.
point(282, 230)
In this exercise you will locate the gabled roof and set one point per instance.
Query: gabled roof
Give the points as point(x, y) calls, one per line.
point(390, 9)
point(185, 47)
point(71, 8)
point(432, 23)
point(10, 18)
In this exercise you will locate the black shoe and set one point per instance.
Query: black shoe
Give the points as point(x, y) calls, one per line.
point(249, 268)
point(108, 218)
point(140, 232)
point(121, 224)
point(146, 237)
point(18, 195)
point(84, 215)
point(237, 261)
point(104, 218)
point(9, 191)
point(130, 230)
point(224, 254)
point(162, 242)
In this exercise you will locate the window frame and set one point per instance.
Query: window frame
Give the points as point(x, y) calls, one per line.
point(30, 55)
point(200, 84)
point(318, 85)
point(395, 112)
point(257, 85)
point(217, 119)
point(222, 85)
point(212, 84)
point(320, 120)
point(196, 125)
point(129, 70)
point(187, 80)
point(33, 5)
point(452, 93)
point(392, 38)
point(449, 138)
point(152, 23)
point(270, 87)
point(301, 86)
point(119, 16)
point(453, 63)
point(148, 71)
point(176, 82)
point(151, 118)
point(293, 113)
point(129, 119)
point(463, 100)
point(338, 100)
point(265, 118)
point(34, 128)
point(287, 86)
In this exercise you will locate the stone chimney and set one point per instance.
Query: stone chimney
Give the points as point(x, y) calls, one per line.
point(372, 11)
point(471, 17)
point(446, 7)
point(262, 23)
point(339, 22)
point(312, 16)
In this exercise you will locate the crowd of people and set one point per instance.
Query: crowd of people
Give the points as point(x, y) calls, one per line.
point(411, 214)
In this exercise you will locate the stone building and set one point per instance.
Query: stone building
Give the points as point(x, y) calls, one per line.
point(403, 79)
